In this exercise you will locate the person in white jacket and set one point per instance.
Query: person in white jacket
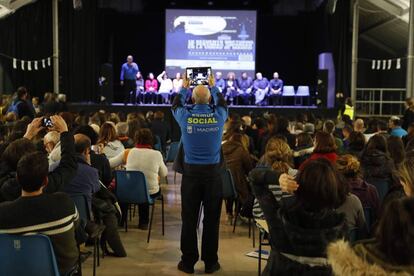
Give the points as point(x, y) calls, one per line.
point(166, 86)
point(146, 160)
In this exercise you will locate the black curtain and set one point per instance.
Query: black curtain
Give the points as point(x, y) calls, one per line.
point(340, 38)
point(27, 35)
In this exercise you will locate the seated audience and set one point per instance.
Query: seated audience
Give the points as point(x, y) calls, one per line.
point(122, 132)
point(304, 148)
point(161, 129)
point(382, 129)
point(108, 141)
point(395, 125)
point(10, 188)
point(346, 131)
point(51, 141)
point(329, 127)
point(147, 160)
point(21, 105)
point(239, 163)
point(408, 118)
point(324, 148)
point(390, 252)
point(376, 164)
point(356, 143)
point(396, 149)
point(349, 166)
point(301, 230)
point(277, 157)
point(51, 214)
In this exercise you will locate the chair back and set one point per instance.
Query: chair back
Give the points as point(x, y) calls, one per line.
point(27, 255)
point(303, 91)
point(131, 187)
point(81, 203)
point(172, 152)
point(229, 190)
point(157, 145)
point(288, 90)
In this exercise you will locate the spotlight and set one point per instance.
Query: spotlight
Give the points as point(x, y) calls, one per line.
point(210, 3)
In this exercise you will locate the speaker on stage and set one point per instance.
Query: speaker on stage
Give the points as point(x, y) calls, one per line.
point(322, 88)
point(106, 84)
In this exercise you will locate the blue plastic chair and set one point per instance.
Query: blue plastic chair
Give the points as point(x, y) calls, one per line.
point(157, 145)
point(288, 91)
point(27, 255)
point(303, 91)
point(81, 203)
point(172, 154)
point(131, 188)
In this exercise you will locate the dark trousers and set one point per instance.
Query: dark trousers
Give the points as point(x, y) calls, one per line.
point(130, 87)
point(143, 211)
point(275, 99)
point(197, 189)
point(111, 235)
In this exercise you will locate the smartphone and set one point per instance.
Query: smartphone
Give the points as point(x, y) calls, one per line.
point(47, 122)
point(198, 75)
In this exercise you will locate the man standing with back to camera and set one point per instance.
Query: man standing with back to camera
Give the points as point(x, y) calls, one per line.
point(201, 134)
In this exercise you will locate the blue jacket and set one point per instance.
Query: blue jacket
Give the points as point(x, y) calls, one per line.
point(201, 128)
point(399, 132)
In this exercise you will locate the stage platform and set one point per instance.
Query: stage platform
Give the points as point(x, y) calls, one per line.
point(289, 111)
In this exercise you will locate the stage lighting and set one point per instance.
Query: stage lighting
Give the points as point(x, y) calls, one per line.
point(210, 3)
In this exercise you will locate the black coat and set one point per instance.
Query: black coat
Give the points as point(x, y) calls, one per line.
point(294, 231)
point(408, 118)
point(101, 163)
point(10, 189)
point(376, 165)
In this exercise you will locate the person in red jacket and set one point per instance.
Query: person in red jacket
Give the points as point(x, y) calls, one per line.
point(151, 88)
point(325, 147)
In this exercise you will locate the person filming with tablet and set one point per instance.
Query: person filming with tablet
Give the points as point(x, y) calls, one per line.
point(202, 162)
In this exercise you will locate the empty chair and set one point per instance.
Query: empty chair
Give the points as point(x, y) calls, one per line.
point(171, 154)
point(27, 255)
point(288, 91)
point(303, 91)
point(131, 188)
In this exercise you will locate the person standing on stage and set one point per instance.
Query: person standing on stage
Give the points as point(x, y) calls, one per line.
point(260, 87)
point(276, 88)
point(128, 77)
point(245, 84)
point(202, 163)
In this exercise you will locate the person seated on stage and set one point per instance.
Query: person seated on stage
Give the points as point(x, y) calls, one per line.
point(108, 142)
point(245, 85)
point(151, 87)
point(260, 88)
point(276, 90)
point(166, 86)
point(230, 88)
point(177, 85)
point(220, 82)
point(147, 160)
point(140, 88)
point(36, 211)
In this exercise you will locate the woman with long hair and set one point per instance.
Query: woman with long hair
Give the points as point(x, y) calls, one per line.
point(301, 229)
point(108, 141)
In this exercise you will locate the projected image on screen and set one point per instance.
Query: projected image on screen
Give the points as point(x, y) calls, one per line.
point(222, 40)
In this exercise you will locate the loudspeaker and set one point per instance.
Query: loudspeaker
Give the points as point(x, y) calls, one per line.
point(106, 84)
point(322, 88)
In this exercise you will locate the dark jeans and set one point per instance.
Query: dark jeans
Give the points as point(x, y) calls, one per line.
point(197, 189)
point(111, 235)
point(130, 86)
point(275, 99)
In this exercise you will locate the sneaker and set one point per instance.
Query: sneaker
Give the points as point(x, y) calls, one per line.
point(212, 268)
point(181, 266)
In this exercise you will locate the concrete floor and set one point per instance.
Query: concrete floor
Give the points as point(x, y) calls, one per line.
point(161, 255)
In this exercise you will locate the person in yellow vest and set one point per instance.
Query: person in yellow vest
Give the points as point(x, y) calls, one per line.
point(349, 108)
